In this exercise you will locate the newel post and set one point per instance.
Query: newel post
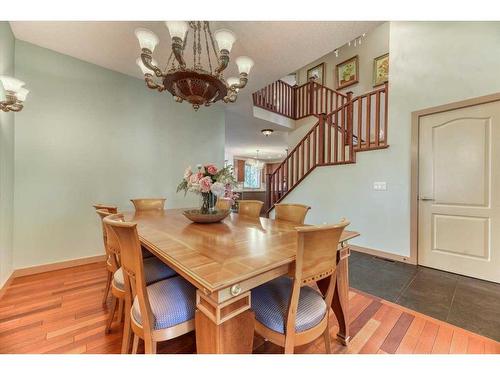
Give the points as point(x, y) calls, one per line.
point(321, 138)
point(268, 191)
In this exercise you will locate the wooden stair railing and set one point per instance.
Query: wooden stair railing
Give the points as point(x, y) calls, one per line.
point(296, 102)
point(358, 124)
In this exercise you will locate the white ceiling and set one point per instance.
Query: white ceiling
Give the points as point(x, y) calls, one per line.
point(277, 48)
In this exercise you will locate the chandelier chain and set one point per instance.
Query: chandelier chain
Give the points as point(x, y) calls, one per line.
point(205, 25)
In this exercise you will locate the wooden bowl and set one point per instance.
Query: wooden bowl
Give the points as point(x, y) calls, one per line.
point(214, 217)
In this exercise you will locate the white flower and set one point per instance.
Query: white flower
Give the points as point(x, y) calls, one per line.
point(218, 189)
point(187, 173)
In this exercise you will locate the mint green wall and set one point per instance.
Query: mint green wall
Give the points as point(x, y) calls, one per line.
point(87, 135)
point(6, 159)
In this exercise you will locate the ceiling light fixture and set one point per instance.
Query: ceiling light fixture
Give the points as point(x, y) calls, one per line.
point(196, 84)
point(12, 94)
point(267, 132)
point(255, 162)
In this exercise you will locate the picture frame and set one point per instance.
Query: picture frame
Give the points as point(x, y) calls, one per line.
point(347, 73)
point(317, 74)
point(380, 70)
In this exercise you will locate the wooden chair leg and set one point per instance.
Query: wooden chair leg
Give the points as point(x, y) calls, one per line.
point(135, 344)
point(127, 329)
point(108, 287)
point(120, 310)
point(326, 335)
point(289, 345)
point(111, 314)
point(149, 346)
point(155, 347)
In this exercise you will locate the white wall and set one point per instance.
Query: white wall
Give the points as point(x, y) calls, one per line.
point(6, 159)
point(431, 63)
point(88, 135)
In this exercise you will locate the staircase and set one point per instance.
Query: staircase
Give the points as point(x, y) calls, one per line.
point(345, 125)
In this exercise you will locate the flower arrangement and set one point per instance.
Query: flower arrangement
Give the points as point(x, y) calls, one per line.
point(211, 183)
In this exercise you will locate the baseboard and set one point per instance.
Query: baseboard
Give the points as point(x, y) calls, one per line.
point(382, 254)
point(57, 266)
point(3, 289)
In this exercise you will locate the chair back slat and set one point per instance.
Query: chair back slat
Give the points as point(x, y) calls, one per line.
point(148, 204)
point(292, 212)
point(250, 208)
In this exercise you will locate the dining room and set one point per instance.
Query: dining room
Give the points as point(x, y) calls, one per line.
point(251, 187)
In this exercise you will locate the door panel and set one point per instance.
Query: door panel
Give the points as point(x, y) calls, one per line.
point(459, 190)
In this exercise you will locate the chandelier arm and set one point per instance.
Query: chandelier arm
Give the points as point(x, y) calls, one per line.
point(178, 49)
point(152, 84)
point(205, 26)
point(147, 58)
point(223, 61)
point(243, 82)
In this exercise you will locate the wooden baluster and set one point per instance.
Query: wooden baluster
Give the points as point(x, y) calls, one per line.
point(342, 134)
point(377, 119)
point(291, 170)
point(336, 136)
point(311, 98)
point(321, 109)
point(329, 138)
point(386, 109)
point(360, 121)
point(308, 141)
point(321, 139)
point(368, 119)
point(302, 150)
point(336, 101)
point(314, 146)
point(297, 162)
point(348, 124)
point(268, 191)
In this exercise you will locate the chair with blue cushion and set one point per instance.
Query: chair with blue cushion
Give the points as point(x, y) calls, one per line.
point(154, 269)
point(158, 312)
point(290, 313)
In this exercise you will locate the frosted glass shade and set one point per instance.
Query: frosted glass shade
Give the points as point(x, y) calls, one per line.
point(11, 83)
point(22, 94)
point(144, 68)
point(147, 39)
point(225, 39)
point(177, 29)
point(245, 64)
point(233, 81)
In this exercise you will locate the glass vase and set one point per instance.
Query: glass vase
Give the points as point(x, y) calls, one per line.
point(208, 201)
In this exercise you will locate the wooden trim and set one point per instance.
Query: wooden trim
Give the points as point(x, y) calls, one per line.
point(382, 254)
point(415, 120)
point(57, 266)
point(7, 283)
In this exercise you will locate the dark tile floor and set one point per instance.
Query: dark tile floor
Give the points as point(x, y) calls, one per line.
point(463, 301)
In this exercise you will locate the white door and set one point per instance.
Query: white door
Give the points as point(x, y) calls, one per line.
point(459, 191)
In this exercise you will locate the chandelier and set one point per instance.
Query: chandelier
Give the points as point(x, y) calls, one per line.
point(255, 162)
point(197, 84)
point(12, 94)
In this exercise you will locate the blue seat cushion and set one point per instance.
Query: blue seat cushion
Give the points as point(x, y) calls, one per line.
point(270, 303)
point(173, 301)
point(154, 270)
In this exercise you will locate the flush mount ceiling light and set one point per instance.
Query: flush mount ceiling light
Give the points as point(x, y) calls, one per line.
point(196, 84)
point(12, 94)
point(267, 132)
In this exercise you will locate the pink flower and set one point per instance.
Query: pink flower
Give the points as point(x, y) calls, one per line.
point(195, 178)
point(211, 169)
point(205, 184)
point(187, 173)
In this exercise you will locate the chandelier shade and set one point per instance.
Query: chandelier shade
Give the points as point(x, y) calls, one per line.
point(12, 94)
point(198, 83)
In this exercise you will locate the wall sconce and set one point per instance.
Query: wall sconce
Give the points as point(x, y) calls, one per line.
point(12, 94)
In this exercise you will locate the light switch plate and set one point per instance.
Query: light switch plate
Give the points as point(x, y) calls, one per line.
point(380, 185)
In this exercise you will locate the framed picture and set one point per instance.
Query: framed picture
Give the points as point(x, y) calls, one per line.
point(347, 73)
point(380, 70)
point(317, 74)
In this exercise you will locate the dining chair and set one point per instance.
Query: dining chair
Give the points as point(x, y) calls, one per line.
point(292, 212)
point(155, 270)
point(250, 208)
point(147, 204)
point(223, 204)
point(158, 312)
point(290, 313)
point(109, 267)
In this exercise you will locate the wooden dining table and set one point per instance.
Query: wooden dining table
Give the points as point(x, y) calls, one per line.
point(225, 261)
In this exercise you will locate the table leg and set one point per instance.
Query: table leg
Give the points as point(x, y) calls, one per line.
point(224, 328)
point(340, 302)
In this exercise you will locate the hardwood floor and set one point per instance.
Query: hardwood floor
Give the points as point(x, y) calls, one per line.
point(61, 312)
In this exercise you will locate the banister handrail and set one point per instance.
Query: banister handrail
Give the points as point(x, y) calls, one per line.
point(333, 139)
